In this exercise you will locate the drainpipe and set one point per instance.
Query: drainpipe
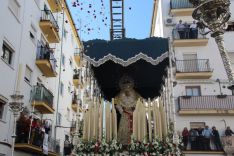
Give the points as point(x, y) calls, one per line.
point(60, 69)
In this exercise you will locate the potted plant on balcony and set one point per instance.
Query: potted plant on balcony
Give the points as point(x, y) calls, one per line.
point(221, 96)
point(186, 97)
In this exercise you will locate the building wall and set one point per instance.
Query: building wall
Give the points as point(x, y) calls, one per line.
point(15, 31)
point(208, 86)
point(10, 32)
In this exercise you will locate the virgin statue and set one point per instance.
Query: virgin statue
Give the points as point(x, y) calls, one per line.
point(125, 104)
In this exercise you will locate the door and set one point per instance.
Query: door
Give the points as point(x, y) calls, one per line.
point(190, 63)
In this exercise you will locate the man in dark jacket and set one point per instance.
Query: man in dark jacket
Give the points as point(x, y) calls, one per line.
point(216, 138)
point(228, 131)
point(193, 138)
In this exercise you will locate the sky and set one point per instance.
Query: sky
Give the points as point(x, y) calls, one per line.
point(92, 18)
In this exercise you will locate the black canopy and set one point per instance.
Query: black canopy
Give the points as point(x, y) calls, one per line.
point(144, 60)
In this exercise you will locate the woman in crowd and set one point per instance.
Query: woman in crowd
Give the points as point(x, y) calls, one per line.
point(185, 135)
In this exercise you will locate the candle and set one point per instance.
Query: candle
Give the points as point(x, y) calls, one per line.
point(159, 127)
point(155, 121)
point(134, 124)
point(144, 122)
point(110, 122)
point(114, 121)
point(94, 120)
point(89, 124)
point(164, 126)
point(100, 120)
point(107, 122)
point(139, 121)
point(85, 127)
point(149, 121)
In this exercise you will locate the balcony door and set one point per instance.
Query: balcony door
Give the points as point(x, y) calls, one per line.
point(190, 63)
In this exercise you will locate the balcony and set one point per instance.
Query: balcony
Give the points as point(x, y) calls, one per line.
point(34, 143)
point(77, 57)
point(199, 153)
point(188, 38)
point(206, 105)
point(181, 8)
point(42, 99)
point(49, 26)
point(55, 5)
point(77, 80)
point(53, 147)
point(46, 61)
point(76, 103)
point(193, 69)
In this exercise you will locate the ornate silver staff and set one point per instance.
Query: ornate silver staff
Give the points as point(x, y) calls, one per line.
point(214, 15)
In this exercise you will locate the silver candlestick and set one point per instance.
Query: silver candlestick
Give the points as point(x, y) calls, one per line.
point(214, 15)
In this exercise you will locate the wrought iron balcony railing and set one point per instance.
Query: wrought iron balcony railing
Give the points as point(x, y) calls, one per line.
point(179, 4)
point(45, 53)
point(219, 102)
point(191, 66)
point(47, 15)
point(42, 94)
point(186, 34)
point(53, 145)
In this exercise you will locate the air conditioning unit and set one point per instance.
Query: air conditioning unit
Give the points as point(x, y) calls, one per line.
point(169, 21)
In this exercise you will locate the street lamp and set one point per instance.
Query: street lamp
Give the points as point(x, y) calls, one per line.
point(16, 107)
point(214, 15)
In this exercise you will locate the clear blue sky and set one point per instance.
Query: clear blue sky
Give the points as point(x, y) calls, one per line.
point(92, 18)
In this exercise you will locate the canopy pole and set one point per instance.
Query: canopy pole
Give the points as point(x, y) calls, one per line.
point(175, 135)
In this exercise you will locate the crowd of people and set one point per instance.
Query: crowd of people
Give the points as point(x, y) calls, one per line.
point(201, 138)
point(32, 131)
point(187, 31)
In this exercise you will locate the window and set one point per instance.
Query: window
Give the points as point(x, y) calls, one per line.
point(190, 63)
point(231, 55)
point(196, 125)
point(61, 88)
point(68, 114)
point(63, 60)
point(59, 119)
point(33, 34)
point(69, 87)
point(7, 53)
point(65, 33)
point(230, 26)
point(28, 75)
point(15, 8)
point(193, 90)
point(2, 105)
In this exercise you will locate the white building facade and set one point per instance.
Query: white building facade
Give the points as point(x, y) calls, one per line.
point(200, 93)
point(40, 59)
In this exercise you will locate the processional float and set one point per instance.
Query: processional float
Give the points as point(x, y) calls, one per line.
point(130, 74)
